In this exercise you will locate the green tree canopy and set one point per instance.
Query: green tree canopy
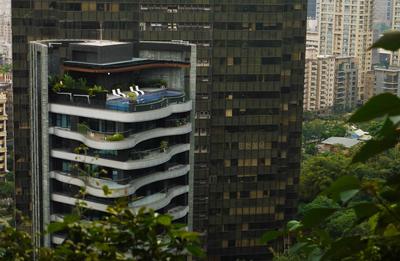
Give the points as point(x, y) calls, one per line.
point(121, 235)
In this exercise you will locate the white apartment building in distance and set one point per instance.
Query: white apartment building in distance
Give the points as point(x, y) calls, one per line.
point(319, 81)
point(312, 40)
point(5, 31)
point(387, 79)
point(330, 82)
point(387, 74)
point(345, 29)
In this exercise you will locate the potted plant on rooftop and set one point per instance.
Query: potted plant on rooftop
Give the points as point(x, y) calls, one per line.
point(97, 93)
point(132, 97)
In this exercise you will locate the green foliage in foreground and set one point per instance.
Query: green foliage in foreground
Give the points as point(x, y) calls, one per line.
point(122, 235)
point(372, 204)
point(360, 217)
point(374, 230)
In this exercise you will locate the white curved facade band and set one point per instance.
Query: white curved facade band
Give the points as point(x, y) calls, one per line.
point(155, 201)
point(120, 116)
point(73, 201)
point(178, 212)
point(154, 159)
point(160, 202)
point(127, 143)
point(93, 186)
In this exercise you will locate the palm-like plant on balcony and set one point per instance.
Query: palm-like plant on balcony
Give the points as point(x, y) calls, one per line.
point(96, 89)
point(164, 145)
point(80, 86)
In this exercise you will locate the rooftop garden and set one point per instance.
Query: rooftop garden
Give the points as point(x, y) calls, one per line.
point(125, 97)
point(68, 84)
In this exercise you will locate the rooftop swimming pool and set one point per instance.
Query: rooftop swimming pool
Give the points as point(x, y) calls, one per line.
point(148, 101)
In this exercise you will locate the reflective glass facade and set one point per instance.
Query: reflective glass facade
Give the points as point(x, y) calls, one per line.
point(250, 74)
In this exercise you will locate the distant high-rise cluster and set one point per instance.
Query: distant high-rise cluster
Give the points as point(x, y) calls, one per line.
point(344, 35)
point(5, 31)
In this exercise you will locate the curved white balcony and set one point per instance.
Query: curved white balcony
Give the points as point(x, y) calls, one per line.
point(119, 116)
point(65, 199)
point(152, 159)
point(178, 212)
point(93, 186)
point(159, 200)
point(127, 143)
point(156, 201)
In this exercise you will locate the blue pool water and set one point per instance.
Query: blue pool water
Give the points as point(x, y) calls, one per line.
point(123, 104)
point(155, 96)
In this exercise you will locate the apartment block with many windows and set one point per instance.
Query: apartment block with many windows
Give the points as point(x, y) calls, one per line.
point(104, 117)
point(345, 29)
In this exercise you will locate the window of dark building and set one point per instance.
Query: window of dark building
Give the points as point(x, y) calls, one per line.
point(73, 7)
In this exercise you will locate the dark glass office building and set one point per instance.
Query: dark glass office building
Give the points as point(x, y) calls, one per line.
point(250, 71)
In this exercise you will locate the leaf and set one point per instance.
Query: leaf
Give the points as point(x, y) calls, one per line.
point(342, 184)
point(373, 148)
point(389, 41)
point(297, 248)
point(270, 235)
point(316, 216)
point(391, 231)
point(378, 106)
point(373, 222)
point(386, 139)
point(345, 196)
point(69, 219)
point(294, 225)
point(315, 255)
point(195, 251)
point(323, 236)
point(164, 220)
point(344, 247)
point(365, 210)
point(55, 227)
point(391, 195)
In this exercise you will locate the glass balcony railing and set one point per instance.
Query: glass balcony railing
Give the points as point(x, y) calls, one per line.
point(85, 130)
point(146, 102)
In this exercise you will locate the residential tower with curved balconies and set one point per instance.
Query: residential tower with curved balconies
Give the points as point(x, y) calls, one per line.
point(116, 115)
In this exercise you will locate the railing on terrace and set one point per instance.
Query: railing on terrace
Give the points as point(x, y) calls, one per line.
point(119, 104)
point(132, 155)
point(119, 181)
point(120, 135)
